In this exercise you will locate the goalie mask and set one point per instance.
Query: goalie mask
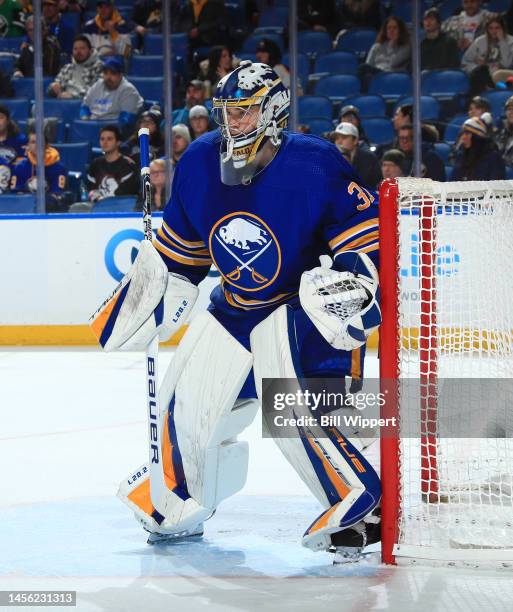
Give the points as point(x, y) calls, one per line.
point(251, 106)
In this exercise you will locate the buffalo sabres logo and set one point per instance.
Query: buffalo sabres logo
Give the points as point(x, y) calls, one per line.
point(245, 251)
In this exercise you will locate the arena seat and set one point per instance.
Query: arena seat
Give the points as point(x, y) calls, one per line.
point(274, 17)
point(251, 42)
point(24, 86)
point(314, 106)
point(150, 88)
point(336, 62)
point(314, 43)
point(444, 83)
point(14, 204)
point(87, 131)
point(453, 128)
point(379, 130)
point(116, 204)
point(497, 100)
point(358, 41)
point(444, 150)
point(146, 66)
point(429, 106)
point(7, 63)
point(338, 86)
point(303, 66)
point(370, 105)
point(75, 155)
point(319, 125)
point(11, 44)
point(18, 107)
point(391, 85)
point(67, 110)
point(154, 45)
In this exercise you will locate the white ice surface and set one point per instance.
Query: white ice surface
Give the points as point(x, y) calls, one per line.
point(72, 426)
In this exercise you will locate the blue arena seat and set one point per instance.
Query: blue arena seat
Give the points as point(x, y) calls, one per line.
point(15, 204)
point(314, 106)
point(274, 17)
point(251, 42)
point(337, 62)
point(116, 204)
point(303, 66)
point(18, 107)
point(358, 41)
point(379, 130)
point(314, 43)
point(497, 100)
point(429, 106)
point(153, 44)
point(11, 44)
point(67, 110)
point(7, 63)
point(444, 150)
point(452, 130)
point(391, 85)
point(24, 86)
point(338, 86)
point(75, 155)
point(444, 83)
point(370, 105)
point(146, 66)
point(509, 173)
point(150, 88)
point(87, 131)
point(319, 125)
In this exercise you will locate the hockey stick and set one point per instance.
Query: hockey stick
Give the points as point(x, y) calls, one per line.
point(157, 482)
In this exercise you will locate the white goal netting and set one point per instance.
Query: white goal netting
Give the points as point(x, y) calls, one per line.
point(456, 365)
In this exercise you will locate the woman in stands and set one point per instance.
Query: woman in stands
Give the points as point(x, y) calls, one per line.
point(219, 63)
point(390, 52)
point(158, 181)
point(477, 157)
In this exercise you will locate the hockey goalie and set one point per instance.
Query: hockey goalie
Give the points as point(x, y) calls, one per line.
point(264, 207)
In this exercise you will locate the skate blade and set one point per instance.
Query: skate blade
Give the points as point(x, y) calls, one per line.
point(347, 554)
point(171, 538)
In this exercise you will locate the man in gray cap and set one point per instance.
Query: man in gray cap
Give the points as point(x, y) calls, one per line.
point(198, 120)
point(392, 164)
point(346, 139)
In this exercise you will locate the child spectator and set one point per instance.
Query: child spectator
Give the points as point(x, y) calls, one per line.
point(57, 26)
point(438, 50)
point(392, 164)
point(11, 18)
point(477, 158)
point(219, 63)
point(181, 140)
point(477, 106)
point(198, 120)
point(75, 78)
point(108, 32)
point(150, 119)
point(112, 174)
point(112, 97)
point(24, 178)
point(12, 147)
point(489, 58)
point(346, 137)
point(158, 182)
point(504, 138)
point(468, 24)
point(51, 53)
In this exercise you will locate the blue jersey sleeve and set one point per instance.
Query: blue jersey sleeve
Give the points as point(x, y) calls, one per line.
point(56, 178)
point(178, 242)
point(352, 222)
point(20, 176)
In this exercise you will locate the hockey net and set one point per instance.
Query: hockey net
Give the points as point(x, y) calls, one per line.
point(446, 364)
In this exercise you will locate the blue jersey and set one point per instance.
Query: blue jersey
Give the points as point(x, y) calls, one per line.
point(11, 149)
point(24, 173)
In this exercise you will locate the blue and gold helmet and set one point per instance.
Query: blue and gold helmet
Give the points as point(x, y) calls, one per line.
point(251, 106)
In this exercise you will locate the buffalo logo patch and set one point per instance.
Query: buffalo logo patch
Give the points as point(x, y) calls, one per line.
point(245, 251)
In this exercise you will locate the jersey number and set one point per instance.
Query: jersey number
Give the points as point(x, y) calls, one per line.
point(362, 194)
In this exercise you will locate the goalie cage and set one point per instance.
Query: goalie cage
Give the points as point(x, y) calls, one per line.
point(446, 276)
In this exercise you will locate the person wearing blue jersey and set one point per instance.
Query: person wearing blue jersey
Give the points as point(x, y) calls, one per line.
point(12, 147)
point(24, 177)
point(264, 207)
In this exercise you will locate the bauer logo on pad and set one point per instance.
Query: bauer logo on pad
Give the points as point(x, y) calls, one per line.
point(245, 251)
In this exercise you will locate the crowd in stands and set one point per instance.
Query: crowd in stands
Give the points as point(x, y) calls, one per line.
point(103, 69)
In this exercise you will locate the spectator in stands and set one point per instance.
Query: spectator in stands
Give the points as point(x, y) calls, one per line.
point(24, 177)
point(72, 6)
point(204, 21)
point(150, 119)
point(477, 106)
point(6, 88)
point(112, 174)
point(350, 114)
point(438, 50)
point(432, 165)
point(75, 78)
point(390, 52)
point(504, 138)
point(403, 116)
point(148, 16)
point(112, 97)
point(489, 58)
point(158, 181)
point(57, 26)
point(181, 140)
point(108, 32)
point(392, 164)
point(195, 94)
point(12, 147)
point(468, 24)
point(268, 52)
point(346, 139)
point(51, 53)
point(11, 19)
point(361, 14)
point(477, 157)
point(318, 15)
point(219, 63)
point(199, 121)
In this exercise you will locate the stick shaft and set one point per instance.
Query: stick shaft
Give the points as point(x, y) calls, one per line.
point(144, 147)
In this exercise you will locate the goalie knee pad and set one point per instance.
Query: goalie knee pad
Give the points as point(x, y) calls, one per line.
point(149, 301)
